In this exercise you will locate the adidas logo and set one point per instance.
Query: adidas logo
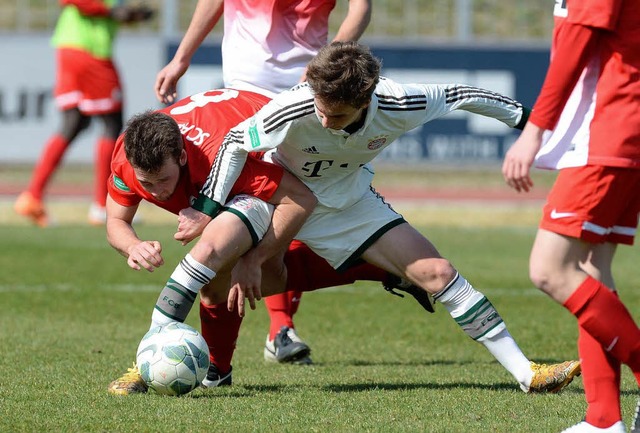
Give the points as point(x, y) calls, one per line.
point(312, 150)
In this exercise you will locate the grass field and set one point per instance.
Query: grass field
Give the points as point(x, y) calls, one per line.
point(73, 314)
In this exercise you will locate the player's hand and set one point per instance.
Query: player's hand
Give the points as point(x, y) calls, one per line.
point(167, 81)
point(146, 254)
point(519, 158)
point(246, 278)
point(191, 224)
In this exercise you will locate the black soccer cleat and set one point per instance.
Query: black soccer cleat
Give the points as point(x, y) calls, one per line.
point(214, 378)
point(283, 349)
point(420, 295)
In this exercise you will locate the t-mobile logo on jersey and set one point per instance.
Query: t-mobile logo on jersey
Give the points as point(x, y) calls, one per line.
point(313, 168)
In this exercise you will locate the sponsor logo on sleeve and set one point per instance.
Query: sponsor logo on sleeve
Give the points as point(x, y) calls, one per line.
point(119, 183)
point(254, 136)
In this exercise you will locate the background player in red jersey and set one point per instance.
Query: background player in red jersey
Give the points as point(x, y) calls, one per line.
point(586, 122)
point(266, 46)
point(87, 86)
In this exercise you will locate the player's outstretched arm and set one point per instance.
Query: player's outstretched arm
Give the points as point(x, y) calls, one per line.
point(122, 237)
point(204, 19)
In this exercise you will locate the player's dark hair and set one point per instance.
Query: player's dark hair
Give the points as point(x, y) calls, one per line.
point(150, 138)
point(344, 73)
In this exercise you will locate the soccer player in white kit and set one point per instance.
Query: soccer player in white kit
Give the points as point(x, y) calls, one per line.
point(326, 132)
point(266, 46)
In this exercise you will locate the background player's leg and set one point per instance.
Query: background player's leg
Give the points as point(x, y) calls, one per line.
point(30, 202)
point(104, 149)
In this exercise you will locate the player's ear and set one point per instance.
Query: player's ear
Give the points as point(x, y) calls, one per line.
point(183, 158)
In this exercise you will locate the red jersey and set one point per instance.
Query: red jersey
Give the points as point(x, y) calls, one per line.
point(204, 119)
point(591, 95)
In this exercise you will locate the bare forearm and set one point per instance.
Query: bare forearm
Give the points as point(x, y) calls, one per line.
point(356, 21)
point(121, 236)
point(205, 17)
point(294, 203)
point(286, 223)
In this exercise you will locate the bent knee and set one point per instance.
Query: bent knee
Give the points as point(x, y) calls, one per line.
point(432, 274)
point(544, 277)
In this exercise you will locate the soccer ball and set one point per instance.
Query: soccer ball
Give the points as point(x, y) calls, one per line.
point(173, 359)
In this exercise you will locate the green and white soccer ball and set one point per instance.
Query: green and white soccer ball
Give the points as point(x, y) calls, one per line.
point(173, 359)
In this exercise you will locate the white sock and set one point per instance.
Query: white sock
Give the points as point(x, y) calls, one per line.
point(180, 291)
point(505, 349)
point(479, 320)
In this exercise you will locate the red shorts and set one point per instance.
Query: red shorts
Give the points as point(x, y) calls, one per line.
point(92, 85)
point(594, 203)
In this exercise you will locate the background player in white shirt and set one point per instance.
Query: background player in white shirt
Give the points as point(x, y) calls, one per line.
point(266, 46)
point(326, 132)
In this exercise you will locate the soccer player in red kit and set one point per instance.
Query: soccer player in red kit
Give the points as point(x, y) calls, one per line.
point(87, 86)
point(586, 123)
point(164, 158)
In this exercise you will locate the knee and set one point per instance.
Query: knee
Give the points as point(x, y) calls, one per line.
point(542, 276)
point(434, 274)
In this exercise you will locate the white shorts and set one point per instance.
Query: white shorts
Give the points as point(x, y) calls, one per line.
point(254, 213)
point(341, 236)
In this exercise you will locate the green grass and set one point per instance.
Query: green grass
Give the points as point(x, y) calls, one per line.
point(73, 314)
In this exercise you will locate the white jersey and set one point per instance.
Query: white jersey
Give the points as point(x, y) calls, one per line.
point(267, 44)
point(335, 164)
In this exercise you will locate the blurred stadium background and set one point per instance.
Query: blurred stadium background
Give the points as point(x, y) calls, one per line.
point(502, 46)
point(446, 20)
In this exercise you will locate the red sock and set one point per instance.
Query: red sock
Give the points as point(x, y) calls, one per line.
point(104, 150)
point(49, 160)
point(601, 380)
point(280, 312)
point(220, 329)
point(606, 319)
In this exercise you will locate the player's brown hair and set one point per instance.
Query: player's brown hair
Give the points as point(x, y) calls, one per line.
point(344, 73)
point(150, 138)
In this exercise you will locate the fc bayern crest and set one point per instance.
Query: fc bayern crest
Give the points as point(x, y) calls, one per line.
point(376, 143)
point(242, 202)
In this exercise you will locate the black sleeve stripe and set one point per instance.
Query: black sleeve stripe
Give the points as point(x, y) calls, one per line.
point(288, 116)
point(402, 108)
point(272, 117)
point(389, 98)
point(214, 175)
point(459, 93)
point(402, 103)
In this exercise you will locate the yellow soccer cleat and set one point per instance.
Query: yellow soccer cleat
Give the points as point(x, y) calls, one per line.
point(553, 377)
point(129, 383)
